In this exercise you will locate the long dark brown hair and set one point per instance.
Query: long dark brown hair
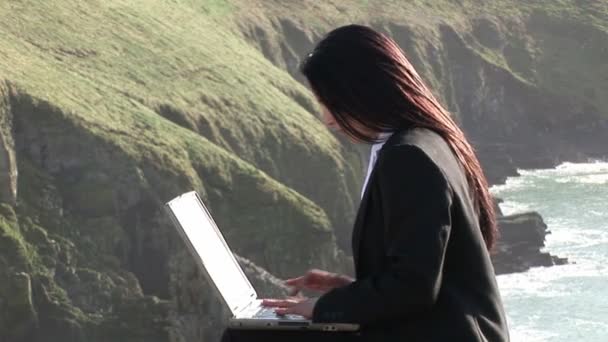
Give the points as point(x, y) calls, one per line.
point(362, 76)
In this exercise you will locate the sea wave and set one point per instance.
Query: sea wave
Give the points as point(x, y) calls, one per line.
point(512, 184)
point(543, 282)
point(525, 334)
point(512, 207)
point(561, 303)
point(569, 169)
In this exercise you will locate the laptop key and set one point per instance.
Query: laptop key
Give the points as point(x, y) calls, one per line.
point(266, 312)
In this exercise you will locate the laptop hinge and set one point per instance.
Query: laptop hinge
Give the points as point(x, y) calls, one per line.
point(243, 308)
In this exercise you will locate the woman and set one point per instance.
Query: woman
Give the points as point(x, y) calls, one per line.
point(426, 221)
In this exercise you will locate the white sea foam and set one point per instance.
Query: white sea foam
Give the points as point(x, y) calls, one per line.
point(581, 168)
point(539, 281)
point(595, 213)
point(571, 235)
point(591, 324)
point(510, 185)
point(565, 169)
point(524, 334)
point(512, 207)
point(595, 179)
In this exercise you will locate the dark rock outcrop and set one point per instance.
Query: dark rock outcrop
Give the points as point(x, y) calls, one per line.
point(521, 242)
point(522, 238)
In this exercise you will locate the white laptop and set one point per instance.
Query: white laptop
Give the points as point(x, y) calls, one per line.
point(209, 249)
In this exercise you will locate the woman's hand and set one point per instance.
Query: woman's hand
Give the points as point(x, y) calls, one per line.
point(314, 280)
point(295, 305)
point(318, 281)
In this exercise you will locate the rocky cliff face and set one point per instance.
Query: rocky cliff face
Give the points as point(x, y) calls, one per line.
point(503, 77)
point(88, 253)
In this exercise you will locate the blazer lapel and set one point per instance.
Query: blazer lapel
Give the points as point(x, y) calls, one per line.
point(362, 211)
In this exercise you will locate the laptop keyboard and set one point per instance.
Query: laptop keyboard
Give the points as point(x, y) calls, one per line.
point(269, 313)
point(266, 312)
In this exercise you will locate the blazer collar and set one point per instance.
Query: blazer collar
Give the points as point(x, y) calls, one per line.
point(395, 137)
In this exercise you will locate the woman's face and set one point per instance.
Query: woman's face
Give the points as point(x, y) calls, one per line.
point(331, 123)
point(329, 120)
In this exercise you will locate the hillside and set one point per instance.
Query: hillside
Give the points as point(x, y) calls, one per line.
point(110, 108)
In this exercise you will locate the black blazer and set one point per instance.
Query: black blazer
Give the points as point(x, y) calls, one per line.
point(423, 272)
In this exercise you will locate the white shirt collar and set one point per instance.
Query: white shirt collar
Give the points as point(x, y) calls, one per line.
point(373, 156)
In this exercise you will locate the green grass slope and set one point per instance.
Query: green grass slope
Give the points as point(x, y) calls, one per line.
point(124, 65)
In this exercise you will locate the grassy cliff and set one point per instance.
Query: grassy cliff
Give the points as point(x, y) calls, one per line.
point(110, 108)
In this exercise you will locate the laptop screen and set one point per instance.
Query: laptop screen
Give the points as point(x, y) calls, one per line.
point(208, 247)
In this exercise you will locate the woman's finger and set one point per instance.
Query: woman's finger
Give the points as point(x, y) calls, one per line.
point(295, 281)
point(296, 285)
point(279, 303)
point(287, 311)
point(303, 308)
point(294, 291)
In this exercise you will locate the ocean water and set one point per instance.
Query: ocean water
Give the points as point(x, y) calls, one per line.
point(562, 303)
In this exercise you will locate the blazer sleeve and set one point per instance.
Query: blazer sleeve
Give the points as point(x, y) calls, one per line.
point(416, 201)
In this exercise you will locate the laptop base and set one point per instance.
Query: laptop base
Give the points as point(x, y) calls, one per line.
point(274, 324)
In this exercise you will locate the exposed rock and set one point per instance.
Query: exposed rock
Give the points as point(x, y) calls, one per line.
point(199, 313)
point(8, 163)
point(266, 285)
point(522, 237)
